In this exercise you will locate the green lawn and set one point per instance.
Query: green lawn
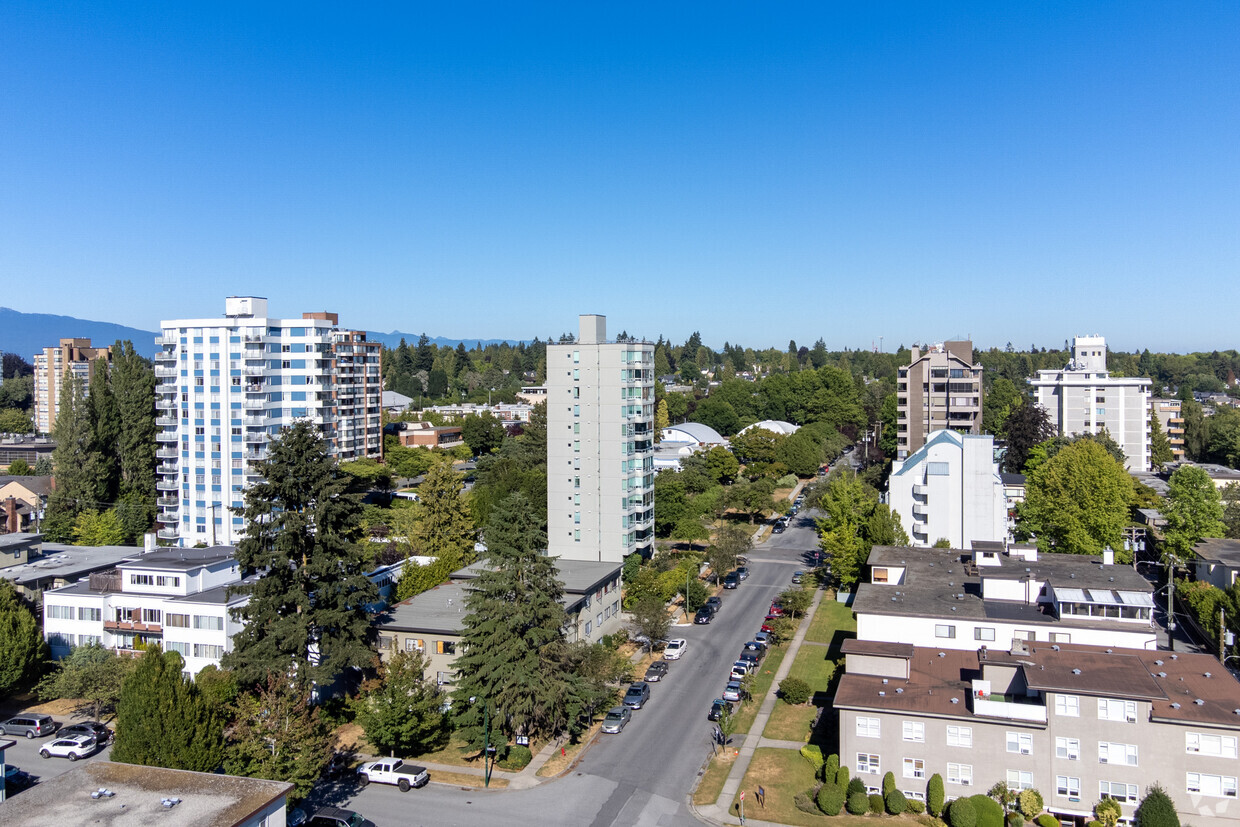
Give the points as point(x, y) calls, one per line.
point(813, 665)
point(829, 618)
point(790, 723)
point(762, 685)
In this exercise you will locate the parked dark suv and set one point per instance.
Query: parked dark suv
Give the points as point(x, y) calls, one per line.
point(32, 726)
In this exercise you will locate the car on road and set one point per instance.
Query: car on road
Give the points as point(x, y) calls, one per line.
point(703, 616)
point(717, 708)
point(740, 669)
point(762, 637)
point(675, 648)
point(778, 528)
point(656, 671)
point(637, 695)
point(767, 628)
point(393, 771)
point(750, 658)
point(732, 580)
point(776, 610)
point(732, 692)
point(758, 646)
point(102, 735)
point(73, 747)
point(714, 603)
point(32, 726)
point(742, 572)
point(336, 817)
point(616, 719)
point(798, 576)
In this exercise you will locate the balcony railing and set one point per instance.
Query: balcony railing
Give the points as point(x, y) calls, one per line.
point(1000, 706)
point(168, 484)
point(168, 468)
point(167, 453)
point(168, 502)
point(167, 533)
point(166, 436)
point(166, 421)
point(131, 626)
point(165, 372)
point(167, 518)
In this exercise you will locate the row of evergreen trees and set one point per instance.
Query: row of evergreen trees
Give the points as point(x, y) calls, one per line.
point(105, 454)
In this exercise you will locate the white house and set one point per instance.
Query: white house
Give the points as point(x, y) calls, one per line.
point(950, 489)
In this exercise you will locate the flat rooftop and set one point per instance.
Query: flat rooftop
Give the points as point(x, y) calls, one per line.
point(68, 562)
point(578, 576)
point(206, 800)
point(182, 559)
point(441, 609)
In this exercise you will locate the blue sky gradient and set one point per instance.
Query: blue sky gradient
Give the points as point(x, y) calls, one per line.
point(758, 172)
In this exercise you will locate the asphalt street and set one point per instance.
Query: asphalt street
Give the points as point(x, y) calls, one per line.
point(644, 775)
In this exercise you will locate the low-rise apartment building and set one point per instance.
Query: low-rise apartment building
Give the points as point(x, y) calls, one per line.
point(950, 489)
point(1171, 420)
point(1077, 723)
point(177, 598)
point(992, 596)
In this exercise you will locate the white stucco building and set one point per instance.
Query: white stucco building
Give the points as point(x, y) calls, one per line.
point(227, 386)
point(1083, 398)
point(177, 598)
point(600, 446)
point(950, 488)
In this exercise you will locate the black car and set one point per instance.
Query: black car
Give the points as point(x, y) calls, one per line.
point(657, 671)
point(101, 734)
point(732, 580)
point(717, 708)
point(703, 616)
point(750, 657)
point(637, 695)
point(714, 603)
point(778, 529)
point(336, 817)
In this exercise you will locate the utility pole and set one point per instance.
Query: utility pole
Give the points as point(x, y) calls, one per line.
point(1222, 633)
point(1171, 603)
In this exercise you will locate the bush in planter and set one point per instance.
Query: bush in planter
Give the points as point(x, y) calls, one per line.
point(961, 813)
point(858, 803)
point(916, 806)
point(794, 691)
point(896, 802)
point(877, 805)
point(856, 786)
point(831, 799)
point(515, 759)
point(1030, 803)
point(1047, 820)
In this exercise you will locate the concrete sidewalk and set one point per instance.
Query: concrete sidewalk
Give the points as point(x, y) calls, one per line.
point(719, 812)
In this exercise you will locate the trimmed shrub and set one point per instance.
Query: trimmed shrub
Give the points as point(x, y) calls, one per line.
point(934, 795)
point(1108, 812)
point(916, 806)
point(989, 811)
point(516, 759)
point(1093, 823)
point(813, 754)
point(794, 691)
point(1157, 809)
point(856, 786)
point(877, 805)
point(1030, 803)
point(831, 768)
point(805, 802)
point(1047, 820)
point(961, 813)
point(831, 799)
point(889, 783)
point(896, 802)
point(841, 776)
point(858, 803)
point(1015, 820)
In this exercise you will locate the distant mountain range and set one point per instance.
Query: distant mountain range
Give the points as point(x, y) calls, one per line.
point(28, 333)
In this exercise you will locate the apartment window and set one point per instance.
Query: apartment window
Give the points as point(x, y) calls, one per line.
point(180, 621)
point(181, 649)
point(1118, 790)
point(445, 647)
point(945, 631)
point(1110, 752)
point(1061, 637)
point(914, 731)
point(589, 628)
point(1068, 749)
point(174, 582)
point(869, 728)
point(984, 633)
point(1067, 785)
point(1020, 742)
point(1223, 746)
point(867, 762)
point(141, 580)
point(1069, 705)
point(96, 615)
point(960, 736)
point(1019, 780)
point(1217, 786)
point(961, 774)
point(207, 650)
point(152, 616)
point(443, 678)
point(60, 612)
point(211, 622)
point(914, 768)
point(879, 576)
point(1110, 709)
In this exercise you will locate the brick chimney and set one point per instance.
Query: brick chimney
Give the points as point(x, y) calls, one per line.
point(13, 523)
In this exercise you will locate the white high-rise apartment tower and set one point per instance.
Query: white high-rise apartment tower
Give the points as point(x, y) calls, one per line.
point(600, 446)
point(226, 387)
point(1083, 398)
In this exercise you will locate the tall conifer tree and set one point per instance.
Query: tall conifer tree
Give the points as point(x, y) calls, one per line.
point(74, 491)
point(163, 721)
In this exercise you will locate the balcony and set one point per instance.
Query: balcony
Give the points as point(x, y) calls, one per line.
point(921, 511)
point(253, 371)
point(132, 626)
point(255, 387)
point(255, 455)
point(168, 484)
point(166, 404)
point(166, 421)
point(254, 404)
point(920, 490)
point(255, 421)
point(250, 341)
point(167, 533)
point(167, 468)
point(167, 453)
point(256, 437)
point(1012, 707)
point(168, 502)
point(169, 388)
point(164, 373)
point(166, 436)
point(167, 518)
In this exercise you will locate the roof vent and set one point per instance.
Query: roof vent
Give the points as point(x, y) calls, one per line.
point(942, 654)
point(1071, 576)
point(1055, 647)
point(169, 803)
point(1110, 651)
point(1208, 675)
point(1158, 662)
point(1076, 671)
point(1027, 571)
point(953, 608)
point(1199, 702)
point(884, 681)
point(1162, 674)
point(1111, 579)
point(1236, 711)
point(899, 690)
point(893, 600)
point(1175, 657)
point(881, 693)
point(1175, 706)
point(102, 792)
point(955, 700)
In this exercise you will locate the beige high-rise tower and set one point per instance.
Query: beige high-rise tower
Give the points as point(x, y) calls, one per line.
point(600, 446)
point(940, 388)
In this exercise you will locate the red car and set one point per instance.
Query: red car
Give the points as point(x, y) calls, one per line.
point(766, 627)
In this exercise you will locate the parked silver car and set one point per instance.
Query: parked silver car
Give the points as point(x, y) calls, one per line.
point(32, 726)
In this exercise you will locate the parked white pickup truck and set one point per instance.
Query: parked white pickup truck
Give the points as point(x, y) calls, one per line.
point(393, 771)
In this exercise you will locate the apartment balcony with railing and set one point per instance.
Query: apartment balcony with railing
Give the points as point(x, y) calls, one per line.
point(168, 484)
point(167, 453)
point(168, 502)
point(167, 518)
point(167, 534)
point(164, 373)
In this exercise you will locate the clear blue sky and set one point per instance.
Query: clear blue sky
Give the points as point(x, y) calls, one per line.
point(755, 171)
